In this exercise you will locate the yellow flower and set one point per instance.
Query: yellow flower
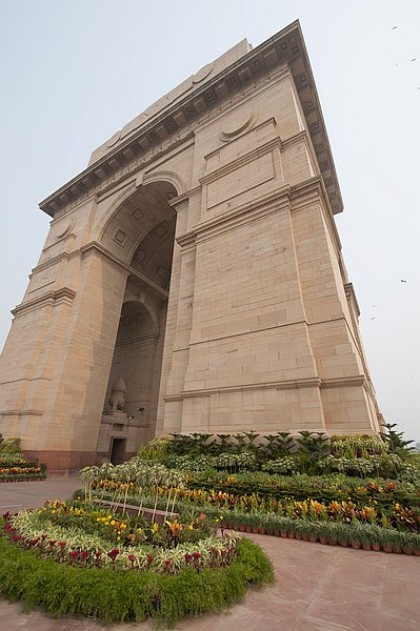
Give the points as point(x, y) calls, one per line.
point(113, 522)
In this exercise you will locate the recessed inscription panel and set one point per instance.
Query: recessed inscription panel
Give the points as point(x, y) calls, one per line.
point(44, 277)
point(240, 180)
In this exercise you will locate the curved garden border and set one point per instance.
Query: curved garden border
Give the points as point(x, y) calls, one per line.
point(123, 596)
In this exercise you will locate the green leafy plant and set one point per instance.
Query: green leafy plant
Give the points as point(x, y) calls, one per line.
point(116, 597)
point(394, 439)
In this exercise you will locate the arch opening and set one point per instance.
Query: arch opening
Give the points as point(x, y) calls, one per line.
point(149, 222)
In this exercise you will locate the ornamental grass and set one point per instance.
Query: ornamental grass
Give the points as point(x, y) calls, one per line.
point(114, 597)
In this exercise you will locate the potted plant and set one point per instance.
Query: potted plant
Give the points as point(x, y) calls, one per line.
point(343, 536)
point(415, 540)
point(332, 533)
point(387, 539)
point(365, 536)
point(374, 534)
point(270, 524)
point(304, 531)
point(323, 533)
point(355, 541)
point(397, 543)
point(408, 542)
point(313, 531)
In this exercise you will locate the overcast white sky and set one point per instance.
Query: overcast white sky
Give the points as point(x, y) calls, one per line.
point(75, 71)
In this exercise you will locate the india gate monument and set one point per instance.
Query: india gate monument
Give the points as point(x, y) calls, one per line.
point(192, 279)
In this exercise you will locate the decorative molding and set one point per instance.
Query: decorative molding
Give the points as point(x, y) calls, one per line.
point(156, 175)
point(250, 211)
point(65, 295)
point(277, 385)
point(249, 157)
point(313, 382)
point(345, 382)
point(286, 47)
point(120, 237)
point(50, 262)
point(240, 126)
point(351, 296)
point(94, 246)
point(65, 231)
point(203, 73)
point(20, 413)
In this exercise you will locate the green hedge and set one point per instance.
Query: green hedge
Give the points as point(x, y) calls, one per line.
point(119, 597)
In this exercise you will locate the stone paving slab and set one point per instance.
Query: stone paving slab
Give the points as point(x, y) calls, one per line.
point(318, 588)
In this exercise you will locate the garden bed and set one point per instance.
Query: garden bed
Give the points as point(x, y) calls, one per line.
point(76, 559)
point(337, 509)
point(13, 466)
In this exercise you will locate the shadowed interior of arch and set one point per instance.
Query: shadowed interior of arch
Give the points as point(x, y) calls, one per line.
point(150, 223)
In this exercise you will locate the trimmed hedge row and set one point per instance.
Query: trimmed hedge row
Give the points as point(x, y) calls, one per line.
point(119, 597)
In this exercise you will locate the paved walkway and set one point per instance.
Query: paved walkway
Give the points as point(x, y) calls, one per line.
point(318, 588)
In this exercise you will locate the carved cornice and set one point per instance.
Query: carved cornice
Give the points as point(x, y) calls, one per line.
point(312, 382)
point(272, 202)
point(65, 295)
point(295, 197)
point(286, 47)
point(351, 296)
point(345, 382)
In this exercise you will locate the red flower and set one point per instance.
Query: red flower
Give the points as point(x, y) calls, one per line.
point(52, 542)
point(196, 555)
point(62, 544)
point(131, 558)
point(73, 554)
point(84, 554)
point(113, 554)
point(188, 557)
point(16, 538)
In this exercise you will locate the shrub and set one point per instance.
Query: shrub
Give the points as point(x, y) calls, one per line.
point(156, 449)
point(357, 446)
point(244, 460)
point(116, 597)
point(284, 466)
point(186, 463)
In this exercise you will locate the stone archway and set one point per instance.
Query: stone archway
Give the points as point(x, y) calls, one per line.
point(142, 228)
point(247, 314)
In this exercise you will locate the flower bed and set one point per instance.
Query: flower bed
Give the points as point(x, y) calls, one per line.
point(13, 467)
point(367, 508)
point(76, 553)
point(23, 472)
point(368, 517)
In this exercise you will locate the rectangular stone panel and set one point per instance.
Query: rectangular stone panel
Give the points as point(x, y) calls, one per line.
point(44, 277)
point(240, 180)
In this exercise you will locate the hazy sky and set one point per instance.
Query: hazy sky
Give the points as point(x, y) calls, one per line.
point(75, 71)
